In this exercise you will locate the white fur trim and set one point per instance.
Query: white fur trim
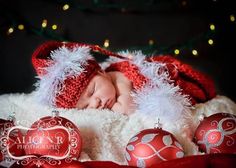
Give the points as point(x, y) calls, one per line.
point(109, 61)
point(112, 59)
point(67, 62)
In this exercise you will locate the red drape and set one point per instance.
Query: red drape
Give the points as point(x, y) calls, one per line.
point(203, 161)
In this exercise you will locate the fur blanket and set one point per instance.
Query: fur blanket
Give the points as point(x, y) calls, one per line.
point(105, 134)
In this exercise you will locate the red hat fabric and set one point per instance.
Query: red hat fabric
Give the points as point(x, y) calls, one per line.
point(131, 71)
point(64, 69)
point(198, 86)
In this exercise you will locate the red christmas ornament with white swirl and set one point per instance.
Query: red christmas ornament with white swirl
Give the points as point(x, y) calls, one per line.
point(151, 146)
point(217, 134)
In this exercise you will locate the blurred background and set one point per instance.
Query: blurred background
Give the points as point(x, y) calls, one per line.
point(201, 33)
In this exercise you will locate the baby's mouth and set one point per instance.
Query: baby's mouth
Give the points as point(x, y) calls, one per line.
point(107, 104)
point(110, 103)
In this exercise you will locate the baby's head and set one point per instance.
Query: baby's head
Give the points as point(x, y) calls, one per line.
point(70, 77)
point(99, 94)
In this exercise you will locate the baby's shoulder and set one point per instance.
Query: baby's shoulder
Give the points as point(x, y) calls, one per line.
point(119, 77)
point(122, 83)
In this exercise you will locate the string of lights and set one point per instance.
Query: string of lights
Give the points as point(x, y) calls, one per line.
point(50, 31)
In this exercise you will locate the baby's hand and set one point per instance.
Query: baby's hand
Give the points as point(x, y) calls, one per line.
point(124, 105)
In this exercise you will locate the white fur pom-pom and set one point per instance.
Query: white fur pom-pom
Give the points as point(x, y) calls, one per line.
point(164, 102)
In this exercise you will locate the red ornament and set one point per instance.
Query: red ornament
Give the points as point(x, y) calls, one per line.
point(217, 134)
point(152, 146)
point(9, 137)
point(55, 137)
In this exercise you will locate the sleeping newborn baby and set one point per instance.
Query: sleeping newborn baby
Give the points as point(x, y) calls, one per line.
point(71, 78)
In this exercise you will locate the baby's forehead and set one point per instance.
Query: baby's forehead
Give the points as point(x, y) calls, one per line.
point(86, 90)
point(82, 101)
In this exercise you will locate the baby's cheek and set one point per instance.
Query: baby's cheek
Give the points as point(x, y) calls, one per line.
point(109, 93)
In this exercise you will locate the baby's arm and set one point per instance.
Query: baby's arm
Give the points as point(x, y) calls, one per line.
point(124, 103)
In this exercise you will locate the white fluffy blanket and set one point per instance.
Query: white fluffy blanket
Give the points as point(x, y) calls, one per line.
point(105, 133)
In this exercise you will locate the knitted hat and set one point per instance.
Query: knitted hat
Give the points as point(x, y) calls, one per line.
point(64, 70)
point(198, 86)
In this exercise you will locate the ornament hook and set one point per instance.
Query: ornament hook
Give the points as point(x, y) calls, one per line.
point(12, 117)
point(202, 116)
point(55, 113)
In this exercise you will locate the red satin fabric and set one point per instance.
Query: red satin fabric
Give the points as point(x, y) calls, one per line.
point(197, 161)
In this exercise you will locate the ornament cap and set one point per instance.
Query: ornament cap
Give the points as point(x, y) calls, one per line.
point(12, 117)
point(202, 116)
point(55, 113)
point(158, 125)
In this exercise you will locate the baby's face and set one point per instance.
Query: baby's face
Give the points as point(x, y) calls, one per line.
point(99, 94)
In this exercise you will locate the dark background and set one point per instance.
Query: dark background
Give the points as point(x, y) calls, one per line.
point(128, 25)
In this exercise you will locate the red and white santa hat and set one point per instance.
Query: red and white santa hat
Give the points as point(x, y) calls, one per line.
point(197, 85)
point(64, 70)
